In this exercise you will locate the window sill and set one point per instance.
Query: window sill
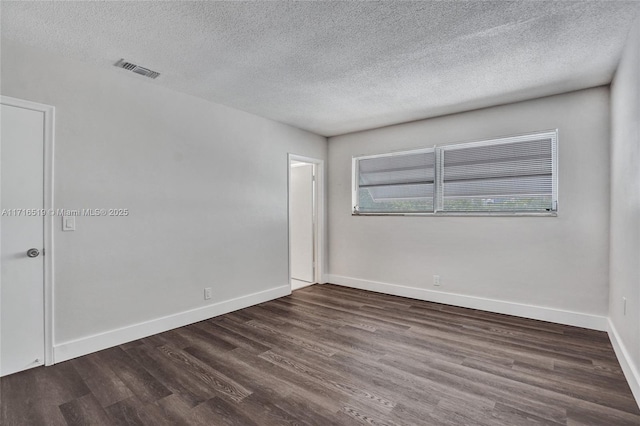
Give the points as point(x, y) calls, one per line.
point(470, 214)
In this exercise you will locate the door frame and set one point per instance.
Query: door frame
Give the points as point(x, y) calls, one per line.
point(48, 253)
point(320, 224)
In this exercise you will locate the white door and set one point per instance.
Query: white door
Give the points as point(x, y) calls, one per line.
point(302, 222)
point(22, 280)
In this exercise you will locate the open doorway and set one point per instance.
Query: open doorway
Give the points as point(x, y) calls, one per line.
point(304, 224)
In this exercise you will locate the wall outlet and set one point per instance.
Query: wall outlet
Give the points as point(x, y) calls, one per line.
point(624, 306)
point(207, 293)
point(436, 280)
point(68, 223)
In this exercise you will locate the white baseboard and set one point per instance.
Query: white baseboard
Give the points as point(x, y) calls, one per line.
point(86, 345)
point(578, 319)
point(624, 358)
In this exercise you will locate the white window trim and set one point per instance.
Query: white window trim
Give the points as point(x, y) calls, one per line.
point(438, 149)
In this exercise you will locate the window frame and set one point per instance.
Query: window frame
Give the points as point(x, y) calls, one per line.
point(438, 151)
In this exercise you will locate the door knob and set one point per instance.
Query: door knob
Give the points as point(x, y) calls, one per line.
point(33, 252)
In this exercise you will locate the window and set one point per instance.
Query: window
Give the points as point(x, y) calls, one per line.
point(506, 175)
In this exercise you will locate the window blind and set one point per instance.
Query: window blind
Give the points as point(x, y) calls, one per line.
point(398, 182)
point(509, 175)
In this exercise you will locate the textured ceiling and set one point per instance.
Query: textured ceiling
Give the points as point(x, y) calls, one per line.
point(338, 67)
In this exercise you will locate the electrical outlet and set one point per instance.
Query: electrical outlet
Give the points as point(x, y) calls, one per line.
point(436, 280)
point(207, 293)
point(68, 223)
point(624, 306)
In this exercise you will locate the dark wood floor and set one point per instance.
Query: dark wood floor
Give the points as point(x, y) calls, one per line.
point(332, 355)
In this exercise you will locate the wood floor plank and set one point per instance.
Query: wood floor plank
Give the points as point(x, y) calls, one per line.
point(84, 411)
point(331, 355)
point(515, 416)
point(235, 339)
point(132, 411)
point(209, 376)
point(105, 385)
point(199, 336)
point(314, 308)
point(63, 382)
point(570, 388)
point(295, 389)
point(350, 389)
point(284, 411)
point(365, 374)
point(165, 375)
point(179, 412)
point(141, 383)
point(277, 392)
point(23, 403)
point(221, 412)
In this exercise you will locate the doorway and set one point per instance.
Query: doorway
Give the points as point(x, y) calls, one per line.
point(305, 221)
point(26, 201)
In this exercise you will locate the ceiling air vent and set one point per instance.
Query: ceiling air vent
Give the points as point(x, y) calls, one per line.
point(136, 68)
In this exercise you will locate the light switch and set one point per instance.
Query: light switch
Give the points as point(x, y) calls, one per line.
point(68, 223)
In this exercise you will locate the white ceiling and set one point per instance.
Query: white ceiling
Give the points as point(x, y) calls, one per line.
point(338, 67)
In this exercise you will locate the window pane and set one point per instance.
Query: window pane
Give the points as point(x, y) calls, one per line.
point(396, 183)
point(498, 177)
point(397, 168)
point(396, 199)
point(512, 174)
point(499, 204)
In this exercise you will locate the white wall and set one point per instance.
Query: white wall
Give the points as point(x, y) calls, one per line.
point(206, 187)
point(625, 203)
point(552, 262)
